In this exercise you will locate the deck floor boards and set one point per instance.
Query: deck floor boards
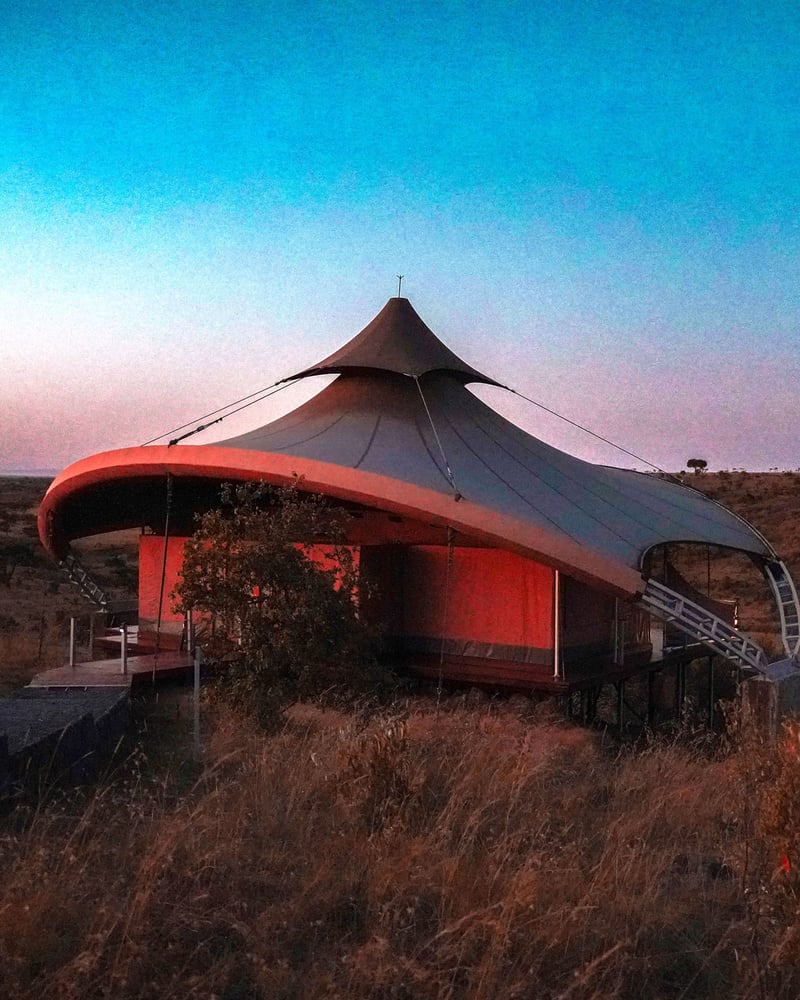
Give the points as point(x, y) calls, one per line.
point(108, 673)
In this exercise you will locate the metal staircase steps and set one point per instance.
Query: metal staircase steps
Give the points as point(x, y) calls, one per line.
point(704, 626)
point(90, 589)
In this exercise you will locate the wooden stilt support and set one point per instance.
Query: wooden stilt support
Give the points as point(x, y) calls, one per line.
point(680, 690)
point(592, 698)
point(711, 692)
point(683, 689)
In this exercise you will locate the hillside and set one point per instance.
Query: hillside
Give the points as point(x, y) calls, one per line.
point(480, 849)
point(36, 599)
point(770, 501)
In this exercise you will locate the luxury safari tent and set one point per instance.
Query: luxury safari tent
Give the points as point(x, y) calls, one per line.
point(497, 558)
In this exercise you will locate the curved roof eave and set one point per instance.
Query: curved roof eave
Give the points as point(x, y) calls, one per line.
point(354, 485)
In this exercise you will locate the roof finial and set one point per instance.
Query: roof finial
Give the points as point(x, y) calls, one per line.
point(399, 283)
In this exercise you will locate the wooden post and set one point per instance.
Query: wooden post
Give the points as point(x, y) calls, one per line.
point(711, 692)
point(680, 690)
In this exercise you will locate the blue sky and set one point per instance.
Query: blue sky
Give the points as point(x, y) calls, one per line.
point(598, 204)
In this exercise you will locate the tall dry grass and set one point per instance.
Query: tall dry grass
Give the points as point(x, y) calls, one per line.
point(473, 853)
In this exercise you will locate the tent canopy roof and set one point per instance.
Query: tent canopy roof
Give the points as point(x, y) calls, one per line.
point(398, 341)
point(422, 447)
point(377, 422)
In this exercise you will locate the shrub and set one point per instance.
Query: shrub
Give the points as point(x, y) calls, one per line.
point(278, 588)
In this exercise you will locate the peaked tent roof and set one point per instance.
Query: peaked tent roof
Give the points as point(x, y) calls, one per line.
point(397, 340)
point(379, 438)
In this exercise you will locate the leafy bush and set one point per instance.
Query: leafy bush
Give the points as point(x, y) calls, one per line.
point(278, 589)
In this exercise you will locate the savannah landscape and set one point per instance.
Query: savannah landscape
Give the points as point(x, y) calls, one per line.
point(480, 847)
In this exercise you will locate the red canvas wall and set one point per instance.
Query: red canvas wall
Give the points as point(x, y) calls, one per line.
point(151, 559)
point(498, 604)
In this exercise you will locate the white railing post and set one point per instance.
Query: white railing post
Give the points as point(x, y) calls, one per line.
point(72, 642)
point(124, 648)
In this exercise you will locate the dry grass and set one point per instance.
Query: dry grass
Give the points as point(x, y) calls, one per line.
point(476, 853)
point(471, 854)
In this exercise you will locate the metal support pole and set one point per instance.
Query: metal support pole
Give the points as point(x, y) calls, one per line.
point(72, 642)
point(190, 632)
point(123, 650)
point(196, 702)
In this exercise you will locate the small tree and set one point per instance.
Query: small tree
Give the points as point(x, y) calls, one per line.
point(12, 556)
point(698, 464)
point(284, 622)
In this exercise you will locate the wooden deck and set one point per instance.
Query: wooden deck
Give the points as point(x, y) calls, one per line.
point(108, 673)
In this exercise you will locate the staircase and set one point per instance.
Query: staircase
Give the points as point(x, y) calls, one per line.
point(704, 626)
point(783, 589)
point(90, 589)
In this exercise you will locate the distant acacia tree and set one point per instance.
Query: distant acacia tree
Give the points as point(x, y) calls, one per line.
point(12, 556)
point(698, 464)
point(283, 620)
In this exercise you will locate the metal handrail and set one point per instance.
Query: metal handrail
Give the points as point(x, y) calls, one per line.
point(703, 625)
point(785, 594)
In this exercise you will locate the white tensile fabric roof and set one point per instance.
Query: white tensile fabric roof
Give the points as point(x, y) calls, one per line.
point(373, 418)
point(399, 432)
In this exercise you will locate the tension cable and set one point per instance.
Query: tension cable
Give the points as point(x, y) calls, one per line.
point(253, 397)
point(163, 575)
point(456, 493)
point(586, 430)
point(445, 611)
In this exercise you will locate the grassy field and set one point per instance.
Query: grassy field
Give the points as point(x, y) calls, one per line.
point(481, 849)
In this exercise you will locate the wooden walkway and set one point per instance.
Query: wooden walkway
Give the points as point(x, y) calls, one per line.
point(68, 720)
point(108, 673)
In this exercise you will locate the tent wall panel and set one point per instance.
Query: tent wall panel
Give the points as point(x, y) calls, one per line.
point(151, 562)
point(492, 604)
point(382, 599)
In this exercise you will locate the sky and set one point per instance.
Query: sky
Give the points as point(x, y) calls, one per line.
point(596, 203)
